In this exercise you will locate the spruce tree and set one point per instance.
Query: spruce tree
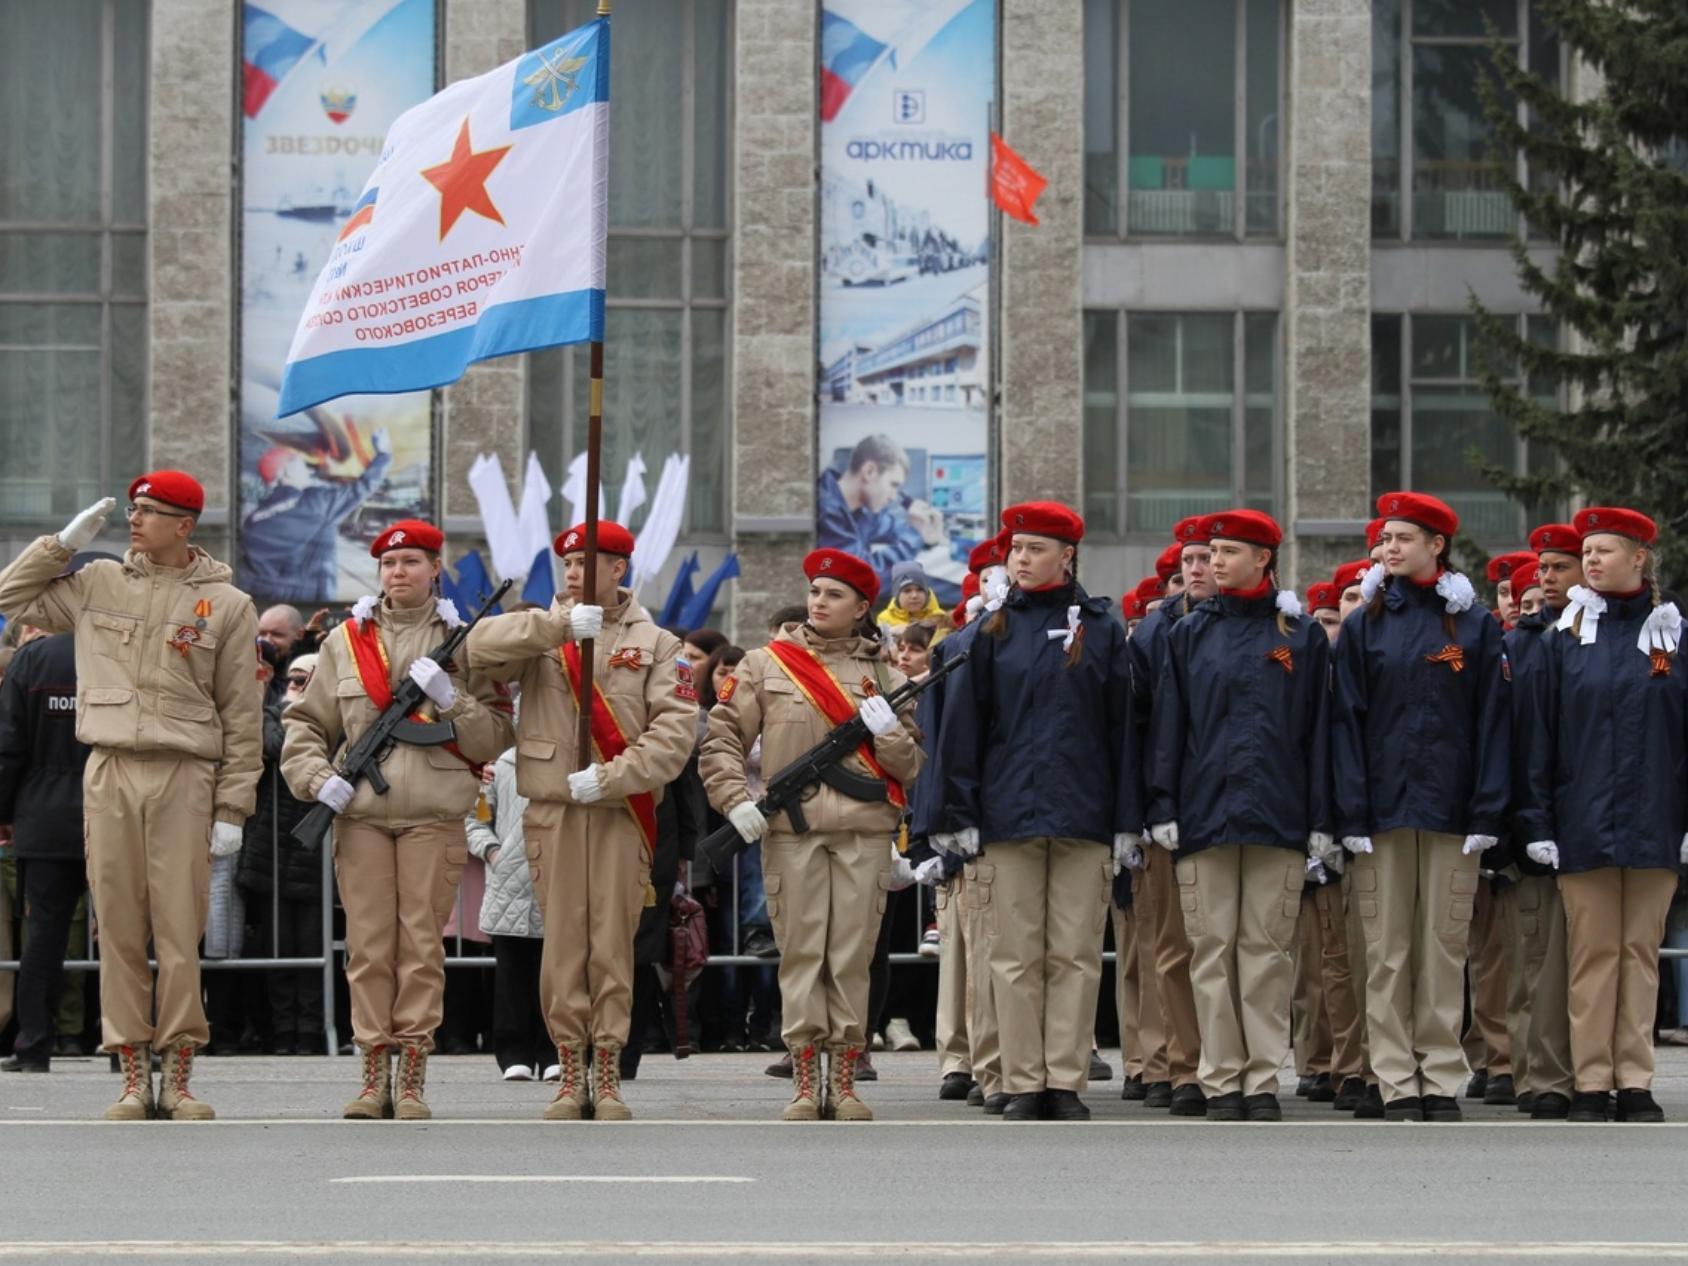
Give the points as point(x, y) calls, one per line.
point(1607, 191)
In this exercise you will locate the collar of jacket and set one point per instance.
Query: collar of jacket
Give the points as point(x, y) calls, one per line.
point(402, 617)
point(1044, 599)
point(1262, 606)
point(1400, 593)
point(849, 645)
point(202, 569)
point(1636, 607)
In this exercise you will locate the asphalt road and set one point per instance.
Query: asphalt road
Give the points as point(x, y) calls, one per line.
point(706, 1173)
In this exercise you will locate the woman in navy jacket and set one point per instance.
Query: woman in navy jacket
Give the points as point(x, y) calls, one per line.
point(1607, 805)
point(1032, 747)
point(1420, 752)
point(1238, 777)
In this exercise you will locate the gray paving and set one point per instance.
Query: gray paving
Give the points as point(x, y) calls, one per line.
point(706, 1174)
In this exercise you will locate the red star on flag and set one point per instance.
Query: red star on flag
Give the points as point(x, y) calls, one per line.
point(461, 180)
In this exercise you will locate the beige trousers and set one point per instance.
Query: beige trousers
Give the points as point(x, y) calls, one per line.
point(1357, 967)
point(1540, 967)
point(1347, 1052)
point(1615, 922)
point(1240, 903)
point(827, 892)
point(147, 820)
point(1310, 1035)
point(950, 1032)
point(984, 1039)
point(1142, 1043)
point(590, 876)
point(1048, 913)
point(1486, 1042)
point(1151, 1012)
point(397, 888)
point(1172, 966)
point(1415, 893)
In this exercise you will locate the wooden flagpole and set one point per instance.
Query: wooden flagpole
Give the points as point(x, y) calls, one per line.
point(589, 585)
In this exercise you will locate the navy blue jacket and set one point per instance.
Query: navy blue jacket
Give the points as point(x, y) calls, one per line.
point(1029, 748)
point(1238, 741)
point(1414, 743)
point(1523, 642)
point(1608, 747)
point(925, 801)
point(40, 760)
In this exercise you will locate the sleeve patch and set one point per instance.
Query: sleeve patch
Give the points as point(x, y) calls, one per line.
point(727, 688)
point(683, 687)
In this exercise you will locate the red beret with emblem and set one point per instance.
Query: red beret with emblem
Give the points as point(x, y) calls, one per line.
point(1431, 513)
point(1151, 587)
point(612, 539)
point(991, 553)
point(835, 564)
point(1374, 533)
point(1166, 566)
point(1525, 577)
point(1188, 531)
point(1348, 575)
point(1044, 518)
point(408, 534)
point(171, 487)
point(1251, 527)
point(1322, 595)
point(1501, 565)
point(1597, 520)
point(1134, 605)
point(1556, 538)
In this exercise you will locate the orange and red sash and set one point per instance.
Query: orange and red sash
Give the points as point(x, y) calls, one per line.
point(817, 684)
point(610, 742)
point(369, 657)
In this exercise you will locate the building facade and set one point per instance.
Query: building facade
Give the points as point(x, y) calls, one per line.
point(1250, 284)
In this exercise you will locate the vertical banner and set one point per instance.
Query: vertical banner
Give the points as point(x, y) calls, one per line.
point(323, 80)
point(906, 89)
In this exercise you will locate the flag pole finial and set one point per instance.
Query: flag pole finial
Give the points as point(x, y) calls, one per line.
point(603, 8)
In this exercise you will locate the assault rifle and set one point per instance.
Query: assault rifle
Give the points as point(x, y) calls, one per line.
point(822, 763)
point(363, 759)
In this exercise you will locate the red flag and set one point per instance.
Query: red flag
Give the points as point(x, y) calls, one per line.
point(1014, 184)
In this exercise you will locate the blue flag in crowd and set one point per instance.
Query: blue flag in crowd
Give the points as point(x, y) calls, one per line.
point(474, 585)
point(541, 586)
point(696, 613)
point(679, 594)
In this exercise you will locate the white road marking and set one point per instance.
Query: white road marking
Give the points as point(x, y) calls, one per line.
point(1340, 1122)
point(508, 1178)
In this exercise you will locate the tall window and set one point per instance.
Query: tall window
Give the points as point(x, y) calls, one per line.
point(1432, 422)
point(665, 348)
point(73, 211)
point(1194, 86)
point(1433, 175)
point(1180, 416)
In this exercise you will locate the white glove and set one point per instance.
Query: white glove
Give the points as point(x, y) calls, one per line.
point(585, 621)
point(1322, 847)
point(1316, 870)
point(336, 793)
point(962, 843)
point(1546, 853)
point(381, 441)
point(586, 786)
point(1357, 844)
point(879, 717)
point(902, 874)
point(226, 839)
point(81, 530)
point(1166, 835)
point(434, 680)
point(929, 871)
point(1128, 853)
point(1479, 844)
point(748, 821)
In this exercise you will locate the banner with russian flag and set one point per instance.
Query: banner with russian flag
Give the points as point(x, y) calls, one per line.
point(484, 235)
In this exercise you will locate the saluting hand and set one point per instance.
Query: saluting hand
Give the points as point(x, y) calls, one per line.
point(81, 530)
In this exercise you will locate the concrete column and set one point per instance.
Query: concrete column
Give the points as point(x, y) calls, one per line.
point(774, 158)
point(190, 241)
point(1042, 326)
point(1327, 308)
point(485, 410)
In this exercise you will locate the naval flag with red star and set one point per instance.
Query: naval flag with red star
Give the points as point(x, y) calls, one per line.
point(480, 233)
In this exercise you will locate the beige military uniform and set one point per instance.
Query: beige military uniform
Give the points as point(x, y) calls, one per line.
point(984, 1038)
point(397, 857)
point(950, 1030)
point(1539, 1010)
point(591, 874)
point(826, 890)
point(1171, 961)
point(1487, 1041)
point(167, 697)
point(1137, 994)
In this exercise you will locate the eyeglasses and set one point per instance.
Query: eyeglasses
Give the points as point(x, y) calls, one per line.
point(134, 511)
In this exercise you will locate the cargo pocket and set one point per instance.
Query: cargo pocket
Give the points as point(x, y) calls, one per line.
point(451, 875)
point(941, 898)
point(1104, 893)
point(1461, 902)
point(1189, 903)
point(772, 889)
point(882, 898)
point(981, 882)
point(1295, 885)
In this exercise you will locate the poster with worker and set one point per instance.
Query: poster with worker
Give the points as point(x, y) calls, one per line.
point(322, 81)
point(904, 378)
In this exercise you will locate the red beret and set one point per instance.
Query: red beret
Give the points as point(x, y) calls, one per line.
point(1248, 526)
point(1348, 575)
point(612, 539)
point(991, 553)
point(1322, 594)
point(1374, 533)
point(1501, 565)
point(1525, 577)
point(1044, 518)
point(1151, 587)
point(835, 564)
point(1556, 538)
point(969, 585)
point(172, 487)
point(1188, 531)
point(1134, 605)
point(1615, 519)
point(1166, 566)
point(408, 534)
point(1430, 513)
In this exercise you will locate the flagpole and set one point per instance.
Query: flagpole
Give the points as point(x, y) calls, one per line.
point(589, 585)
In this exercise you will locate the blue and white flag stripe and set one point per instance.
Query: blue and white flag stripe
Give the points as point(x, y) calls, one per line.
point(489, 237)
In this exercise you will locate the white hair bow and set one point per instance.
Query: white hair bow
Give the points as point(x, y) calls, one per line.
point(1287, 602)
point(364, 608)
point(1457, 590)
point(1662, 630)
point(446, 609)
point(1592, 606)
point(1372, 581)
point(1066, 635)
